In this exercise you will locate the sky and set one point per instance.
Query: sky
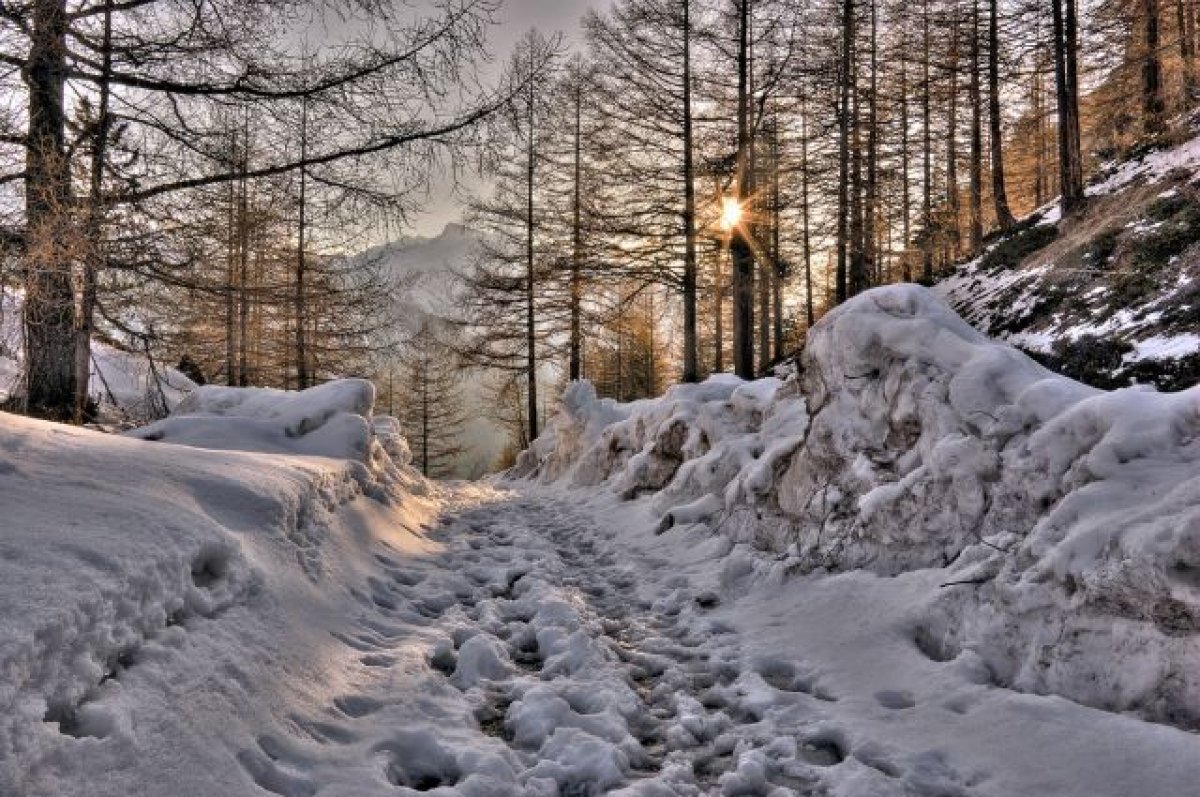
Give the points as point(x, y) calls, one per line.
point(517, 16)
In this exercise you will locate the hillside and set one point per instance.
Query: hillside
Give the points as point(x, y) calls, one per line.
point(1111, 297)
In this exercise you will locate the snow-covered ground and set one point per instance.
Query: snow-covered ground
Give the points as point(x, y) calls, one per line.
point(1126, 273)
point(923, 566)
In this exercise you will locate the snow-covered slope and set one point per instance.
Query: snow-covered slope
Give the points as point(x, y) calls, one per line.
point(162, 606)
point(1063, 520)
point(1112, 296)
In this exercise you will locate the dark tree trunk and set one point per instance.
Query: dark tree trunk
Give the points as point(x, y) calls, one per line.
point(94, 259)
point(871, 200)
point(1152, 73)
point(741, 252)
point(927, 164)
point(576, 342)
point(1004, 216)
point(691, 357)
point(49, 308)
point(1070, 161)
point(530, 276)
point(299, 300)
point(976, 212)
point(806, 227)
point(843, 211)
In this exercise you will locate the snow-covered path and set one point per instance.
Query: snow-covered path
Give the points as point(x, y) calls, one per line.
point(550, 645)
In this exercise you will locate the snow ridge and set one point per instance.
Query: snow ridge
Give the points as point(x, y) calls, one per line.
point(1067, 519)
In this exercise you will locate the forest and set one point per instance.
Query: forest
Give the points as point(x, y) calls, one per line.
point(566, 398)
point(683, 190)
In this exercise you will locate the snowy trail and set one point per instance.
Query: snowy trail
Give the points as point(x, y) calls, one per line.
point(549, 646)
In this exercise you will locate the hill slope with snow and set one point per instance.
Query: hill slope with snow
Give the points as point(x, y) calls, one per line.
point(1110, 297)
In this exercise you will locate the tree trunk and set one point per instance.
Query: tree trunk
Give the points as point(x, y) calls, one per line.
point(1070, 161)
point(1187, 54)
point(1004, 216)
point(576, 342)
point(530, 322)
point(741, 251)
point(976, 212)
point(927, 165)
point(871, 203)
point(49, 308)
point(953, 201)
point(905, 183)
point(805, 222)
point(302, 376)
point(776, 250)
point(1152, 74)
point(691, 359)
point(843, 210)
point(93, 261)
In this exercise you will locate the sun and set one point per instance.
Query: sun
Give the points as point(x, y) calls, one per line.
point(731, 213)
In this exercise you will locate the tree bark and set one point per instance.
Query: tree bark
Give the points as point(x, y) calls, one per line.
point(843, 210)
point(530, 277)
point(1004, 217)
point(691, 358)
point(1070, 159)
point(49, 308)
point(741, 252)
point(302, 375)
point(576, 339)
point(976, 211)
point(927, 165)
point(93, 261)
point(1154, 106)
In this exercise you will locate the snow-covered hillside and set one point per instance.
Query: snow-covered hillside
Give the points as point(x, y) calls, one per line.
point(1061, 522)
point(1112, 296)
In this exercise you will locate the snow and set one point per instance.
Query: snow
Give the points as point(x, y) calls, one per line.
point(329, 420)
point(920, 565)
point(1152, 168)
point(1065, 510)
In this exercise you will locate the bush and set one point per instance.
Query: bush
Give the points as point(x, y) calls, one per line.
point(1011, 251)
point(1100, 251)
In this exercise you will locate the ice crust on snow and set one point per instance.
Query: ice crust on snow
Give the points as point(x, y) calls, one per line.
point(1067, 518)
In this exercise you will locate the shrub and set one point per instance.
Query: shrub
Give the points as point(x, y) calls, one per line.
point(1011, 251)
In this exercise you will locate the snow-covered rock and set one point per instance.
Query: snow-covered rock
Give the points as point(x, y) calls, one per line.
point(1068, 518)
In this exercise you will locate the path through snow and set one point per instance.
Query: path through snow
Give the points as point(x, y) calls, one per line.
point(551, 646)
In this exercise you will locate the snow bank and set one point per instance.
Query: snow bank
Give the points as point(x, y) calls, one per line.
point(1067, 519)
point(166, 610)
point(330, 420)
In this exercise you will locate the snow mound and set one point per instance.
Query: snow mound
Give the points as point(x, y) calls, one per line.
point(700, 449)
point(1067, 518)
point(330, 420)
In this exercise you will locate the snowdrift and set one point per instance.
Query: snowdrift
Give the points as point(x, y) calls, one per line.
point(165, 606)
point(1067, 519)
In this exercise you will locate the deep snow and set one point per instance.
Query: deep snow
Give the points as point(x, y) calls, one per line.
point(737, 589)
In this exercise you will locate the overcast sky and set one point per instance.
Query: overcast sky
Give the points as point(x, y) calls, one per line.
point(517, 16)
